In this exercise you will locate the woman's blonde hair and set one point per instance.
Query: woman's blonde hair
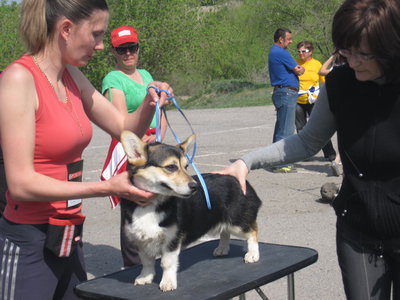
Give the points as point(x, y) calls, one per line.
point(38, 18)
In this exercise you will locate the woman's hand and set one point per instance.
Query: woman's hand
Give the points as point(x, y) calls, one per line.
point(149, 139)
point(162, 98)
point(239, 170)
point(122, 187)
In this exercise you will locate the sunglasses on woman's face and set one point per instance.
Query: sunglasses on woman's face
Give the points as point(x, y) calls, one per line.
point(123, 49)
point(303, 51)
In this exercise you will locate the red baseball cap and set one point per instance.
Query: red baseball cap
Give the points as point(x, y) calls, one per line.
point(124, 34)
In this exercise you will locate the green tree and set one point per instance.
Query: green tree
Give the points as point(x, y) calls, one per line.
point(192, 43)
point(164, 29)
point(11, 46)
point(309, 20)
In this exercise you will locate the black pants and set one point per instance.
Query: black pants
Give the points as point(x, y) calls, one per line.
point(29, 271)
point(370, 267)
point(129, 250)
point(303, 112)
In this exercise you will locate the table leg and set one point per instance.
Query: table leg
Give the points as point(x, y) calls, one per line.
point(290, 278)
point(261, 294)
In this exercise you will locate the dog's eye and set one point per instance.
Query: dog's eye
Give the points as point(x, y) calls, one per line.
point(171, 168)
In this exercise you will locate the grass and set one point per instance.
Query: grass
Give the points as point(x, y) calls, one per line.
point(226, 94)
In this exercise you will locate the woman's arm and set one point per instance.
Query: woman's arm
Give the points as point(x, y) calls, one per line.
point(326, 66)
point(164, 126)
point(108, 117)
point(119, 101)
point(317, 132)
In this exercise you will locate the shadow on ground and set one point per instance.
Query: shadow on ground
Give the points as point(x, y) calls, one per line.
point(101, 259)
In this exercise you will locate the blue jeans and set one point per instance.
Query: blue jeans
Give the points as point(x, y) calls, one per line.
point(285, 101)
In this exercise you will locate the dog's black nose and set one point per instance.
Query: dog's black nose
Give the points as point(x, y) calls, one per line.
point(193, 186)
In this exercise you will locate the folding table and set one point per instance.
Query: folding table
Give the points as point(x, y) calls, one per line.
point(203, 276)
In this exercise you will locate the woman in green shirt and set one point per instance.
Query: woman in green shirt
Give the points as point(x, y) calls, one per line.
point(126, 87)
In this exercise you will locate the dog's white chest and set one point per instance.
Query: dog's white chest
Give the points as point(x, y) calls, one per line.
point(145, 229)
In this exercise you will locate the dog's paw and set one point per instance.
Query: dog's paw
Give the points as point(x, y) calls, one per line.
point(250, 258)
point(221, 251)
point(168, 285)
point(144, 280)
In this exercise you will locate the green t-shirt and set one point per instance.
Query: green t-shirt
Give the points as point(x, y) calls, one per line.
point(134, 92)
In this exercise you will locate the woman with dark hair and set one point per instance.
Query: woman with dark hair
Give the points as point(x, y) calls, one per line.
point(361, 101)
point(46, 105)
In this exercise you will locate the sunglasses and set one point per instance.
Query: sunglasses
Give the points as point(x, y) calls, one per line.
point(303, 51)
point(364, 57)
point(123, 49)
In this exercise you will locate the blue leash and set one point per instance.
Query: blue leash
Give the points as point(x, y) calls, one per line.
point(159, 111)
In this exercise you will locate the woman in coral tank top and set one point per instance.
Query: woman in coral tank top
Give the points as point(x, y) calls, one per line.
point(46, 109)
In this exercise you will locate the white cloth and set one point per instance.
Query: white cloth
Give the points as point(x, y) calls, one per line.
point(115, 163)
point(312, 92)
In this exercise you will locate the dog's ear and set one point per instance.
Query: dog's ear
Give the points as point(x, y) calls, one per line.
point(134, 147)
point(188, 144)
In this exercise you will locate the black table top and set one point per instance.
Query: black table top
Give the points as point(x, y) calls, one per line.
point(203, 276)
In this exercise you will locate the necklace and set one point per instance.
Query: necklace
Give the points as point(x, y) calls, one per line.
point(51, 84)
point(71, 111)
point(76, 118)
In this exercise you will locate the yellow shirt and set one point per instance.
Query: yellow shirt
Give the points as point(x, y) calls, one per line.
point(309, 79)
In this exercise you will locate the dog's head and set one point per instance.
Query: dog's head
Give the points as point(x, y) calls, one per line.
point(159, 168)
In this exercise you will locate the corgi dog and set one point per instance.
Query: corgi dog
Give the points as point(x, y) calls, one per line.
point(178, 215)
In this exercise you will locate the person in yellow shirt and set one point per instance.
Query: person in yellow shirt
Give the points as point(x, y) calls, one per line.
point(310, 83)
